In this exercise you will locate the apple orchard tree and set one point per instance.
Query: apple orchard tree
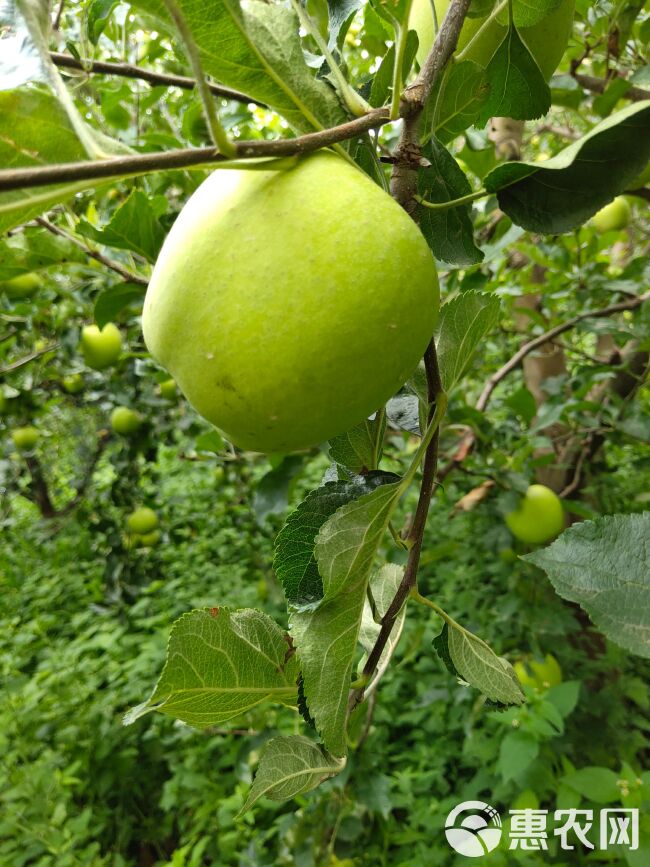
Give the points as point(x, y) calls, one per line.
point(298, 176)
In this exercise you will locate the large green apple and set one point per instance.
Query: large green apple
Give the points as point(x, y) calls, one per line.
point(291, 304)
point(101, 348)
point(538, 518)
point(612, 217)
point(546, 40)
point(22, 286)
point(142, 520)
point(125, 421)
point(25, 438)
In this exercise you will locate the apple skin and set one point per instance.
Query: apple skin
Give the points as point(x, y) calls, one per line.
point(148, 540)
point(101, 348)
point(168, 389)
point(613, 217)
point(538, 518)
point(25, 438)
point(125, 421)
point(545, 40)
point(142, 520)
point(22, 286)
point(73, 383)
point(289, 305)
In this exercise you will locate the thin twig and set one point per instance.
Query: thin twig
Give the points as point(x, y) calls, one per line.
point(131, 70)
point(600, 85)
point(117, 167)
point(130, 276)
point(27, 359)
point(466, 444)
point(403, 188)
point(57, 17)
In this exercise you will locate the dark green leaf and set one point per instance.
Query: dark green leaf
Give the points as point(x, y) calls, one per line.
point(449, 233)
point(134, 226)
point(517, 86)
point(113, 300)
point(564, 191)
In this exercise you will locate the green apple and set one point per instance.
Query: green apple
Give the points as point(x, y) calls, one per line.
point(148, 540)
point(544, 674)
point(168, 389)
point(142, 520)
point(613, 217)
point(290, 304)
point(538, 518)
point(125, 421)
point(73, 383)
point(545, 40)
point(25, 438)
point(101, 348)
point(23, 286)
point(548, 673)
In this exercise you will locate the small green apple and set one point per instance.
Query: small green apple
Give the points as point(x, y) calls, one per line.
point(125, 421)
point(538, 518)
point(613, 217)
point(73, 383)
point(290, 304)
point(142, 520)
point(548, 673)
point(148, 540)
point(545, 40)
point(168, 389)
point(101, 348)
point(25, 438)
point(22, 286)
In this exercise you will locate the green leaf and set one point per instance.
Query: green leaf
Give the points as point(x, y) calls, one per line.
point(465, 321)
point(35, 250)
point(564, 697)
point(477, 664)
point(603, 566)
point(594, 784)
point(563, 192)
point(341, 13)
point(290, 766)
point(294, 561)
point(457, 100)
point(210, 441)
point(221, 663)
point(326, 638)
point(257, 50)
point(359, 449)
point(526, 13)
point(34, 131)
point(518, 749)
point(380, 90)
point(272, 492)
point(113, 300)
point(449, 233)
point(517, 86)
point(97, 18)
point(133, 226)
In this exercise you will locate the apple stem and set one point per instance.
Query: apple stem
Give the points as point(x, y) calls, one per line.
point(217, 133)
point(354, 101)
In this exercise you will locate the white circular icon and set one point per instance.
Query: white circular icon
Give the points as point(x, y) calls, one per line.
point(473, 829)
